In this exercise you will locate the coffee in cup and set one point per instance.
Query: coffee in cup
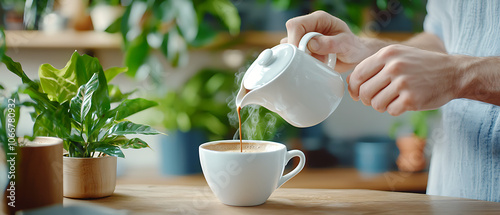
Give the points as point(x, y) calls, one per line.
point(249, 177)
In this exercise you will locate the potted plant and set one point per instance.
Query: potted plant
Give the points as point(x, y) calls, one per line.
point(411, 147)
point(74, 104)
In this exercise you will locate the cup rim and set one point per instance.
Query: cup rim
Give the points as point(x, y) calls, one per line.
point(280, 145)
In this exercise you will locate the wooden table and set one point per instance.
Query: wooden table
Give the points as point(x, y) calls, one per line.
point(161, 199)
point(313, 178)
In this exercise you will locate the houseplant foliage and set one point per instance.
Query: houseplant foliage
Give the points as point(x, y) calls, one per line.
point(74, 104)
point(200, 104)
point(170, 27)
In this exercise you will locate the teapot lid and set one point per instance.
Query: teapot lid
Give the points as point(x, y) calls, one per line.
point(269, 64)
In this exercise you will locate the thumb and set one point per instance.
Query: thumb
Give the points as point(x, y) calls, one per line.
point(323, 45)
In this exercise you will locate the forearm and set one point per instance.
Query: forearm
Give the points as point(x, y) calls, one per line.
point(478, 78)
point(425, 41)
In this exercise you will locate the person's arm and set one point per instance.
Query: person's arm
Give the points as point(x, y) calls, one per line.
point(479, 78)
point(339, 39)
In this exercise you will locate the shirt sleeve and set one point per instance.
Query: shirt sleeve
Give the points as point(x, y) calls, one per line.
point(432, 23)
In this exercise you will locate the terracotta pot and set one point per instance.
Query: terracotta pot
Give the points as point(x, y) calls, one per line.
point(35, 174)
point(411, 153)
point(87, 178)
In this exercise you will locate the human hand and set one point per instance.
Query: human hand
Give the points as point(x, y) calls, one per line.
point(401, 78)
point(338, 39)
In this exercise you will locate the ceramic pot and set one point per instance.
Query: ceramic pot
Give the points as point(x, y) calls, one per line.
point(179, 152)
point(35, 174)
point(87, 178)
point(411, 153)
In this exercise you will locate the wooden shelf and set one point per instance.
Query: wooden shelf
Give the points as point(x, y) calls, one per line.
point(103, 40)
point(64, 39)
point(331, 178)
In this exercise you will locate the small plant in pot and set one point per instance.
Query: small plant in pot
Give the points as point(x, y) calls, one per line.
point(74, 104)
point(411, 147)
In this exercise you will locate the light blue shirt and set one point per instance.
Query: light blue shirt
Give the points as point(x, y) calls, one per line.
point(466, 156)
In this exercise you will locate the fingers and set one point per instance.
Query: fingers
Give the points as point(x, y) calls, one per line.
point(318, 21)
point(372, 87)
point(386, 96)
point(362, 73)
point(284, 40)
point(398, 106)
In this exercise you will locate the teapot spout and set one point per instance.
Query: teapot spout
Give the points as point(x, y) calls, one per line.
point(246, 97)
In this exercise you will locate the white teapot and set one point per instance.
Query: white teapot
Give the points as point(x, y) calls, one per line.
point(290, 82)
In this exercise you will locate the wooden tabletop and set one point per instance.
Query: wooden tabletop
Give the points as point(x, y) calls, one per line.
point(163, 199)
point(314, 178)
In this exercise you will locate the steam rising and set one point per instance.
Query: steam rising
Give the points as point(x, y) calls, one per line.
point(258, 123)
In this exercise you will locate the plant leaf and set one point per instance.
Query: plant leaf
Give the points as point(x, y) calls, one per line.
point(131, 106)
point(113, 72)
point(186, 19)
point(3, 44)
point(227, 12)
point(59, 84)
point(82, 102)
point(109, 150)
point(127, 127)
point(135, 143)
point(136, 54)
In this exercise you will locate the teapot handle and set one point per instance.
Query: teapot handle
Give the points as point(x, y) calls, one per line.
point(332, 58)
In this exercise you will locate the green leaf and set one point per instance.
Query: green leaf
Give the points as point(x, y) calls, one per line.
point(116, 95)
point(33, 10)
point(3, 44)
point(281, 4)
point(135, 143)
point(227, 12)
point(127, 127)
point(206, 34)
point(113, 72)
point(115, 26)
point(59, 84)
point(82, 102)
point(16, 68)
point(183, 121)
point(109, 150)
point(136, 54)
point(100, 99)
point(186, 19)
point(131, 106)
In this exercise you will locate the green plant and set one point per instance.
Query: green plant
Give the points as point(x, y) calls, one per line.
point(200, 104)
point(73, 103)
point(419, 122)
point(170, 27)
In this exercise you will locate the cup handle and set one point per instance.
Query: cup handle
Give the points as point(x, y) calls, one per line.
point(289, 155)
point(332, 58)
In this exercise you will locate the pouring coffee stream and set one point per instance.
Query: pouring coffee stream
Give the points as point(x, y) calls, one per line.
point(290, 82)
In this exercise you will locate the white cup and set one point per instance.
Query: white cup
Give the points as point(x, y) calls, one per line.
point(246, 178)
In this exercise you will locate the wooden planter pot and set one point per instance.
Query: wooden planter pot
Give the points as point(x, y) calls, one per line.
point(411, 154)
point(88, 178)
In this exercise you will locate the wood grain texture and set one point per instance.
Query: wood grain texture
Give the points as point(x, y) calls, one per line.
point(158, 199)
point(89, 177)
point(316, 178)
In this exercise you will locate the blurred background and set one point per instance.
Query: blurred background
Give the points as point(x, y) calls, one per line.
point(189, 56)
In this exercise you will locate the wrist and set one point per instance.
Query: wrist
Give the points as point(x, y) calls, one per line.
point(466, 76)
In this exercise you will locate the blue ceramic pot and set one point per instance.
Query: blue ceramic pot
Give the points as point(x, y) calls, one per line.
point(374, 155)
point(179, 152)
